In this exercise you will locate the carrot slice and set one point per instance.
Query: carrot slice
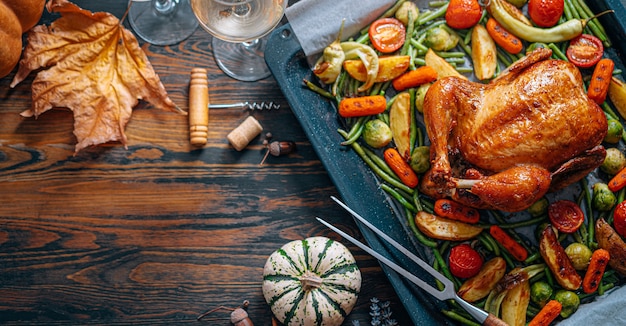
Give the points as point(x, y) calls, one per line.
point(362, 106)
point(599, 259)
point(618, 181)
point(400, 167)
point(414, 78)
point(547, 314)
point(509, 42)
point(456, 211)
point(514, 248)
point(600, 80)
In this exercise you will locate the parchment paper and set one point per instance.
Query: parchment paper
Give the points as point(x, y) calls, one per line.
point(316, 24)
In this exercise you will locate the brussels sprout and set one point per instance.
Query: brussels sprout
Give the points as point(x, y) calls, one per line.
point(439, 39)
point(420, 159)
point(603, 199)
point(614, 161)
point(540, 207)
point(579, 254)
point(569, 300)
point(420, 93)
point(540, 293)
point(402, 14)
point(614, 132)
point(377, 133)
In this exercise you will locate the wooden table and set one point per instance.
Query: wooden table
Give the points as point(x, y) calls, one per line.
point(160, 232)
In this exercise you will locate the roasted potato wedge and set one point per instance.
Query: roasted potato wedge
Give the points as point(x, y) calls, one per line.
point(400, 124)
point(617, 94)
point(609, 240)
point(443, 68)
point(480, 285)
point(515, 304)
point(445, 229)
point(484, 53)
point(556, 259)
point(389, 67)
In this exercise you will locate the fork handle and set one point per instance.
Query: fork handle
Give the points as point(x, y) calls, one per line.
point(492, 320)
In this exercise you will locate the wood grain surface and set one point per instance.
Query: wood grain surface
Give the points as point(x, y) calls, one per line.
point(161, 231)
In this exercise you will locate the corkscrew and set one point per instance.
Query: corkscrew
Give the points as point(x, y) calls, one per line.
point(247, 106)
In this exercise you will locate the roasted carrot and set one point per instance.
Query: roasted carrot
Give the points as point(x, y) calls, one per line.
point(599, 259)
point(600, 80)
point(414, 78)
point(514, 248)
point(509, 42)
point(618, 181)
point(362, 106)
point(456, 211)
point(400, 167)
point(547, 314)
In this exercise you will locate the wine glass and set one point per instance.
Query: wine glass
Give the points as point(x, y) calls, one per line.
point(162, 22)
point(239, 27)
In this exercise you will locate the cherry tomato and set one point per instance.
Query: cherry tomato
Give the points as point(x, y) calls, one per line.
point(619, 218)
point(566, 216)
point(464, 261)
point(585, 50)
point(462, 14)
point(387, 34)
point(545, 13)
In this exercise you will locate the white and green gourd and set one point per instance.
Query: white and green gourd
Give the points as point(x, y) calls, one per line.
point(314, 281)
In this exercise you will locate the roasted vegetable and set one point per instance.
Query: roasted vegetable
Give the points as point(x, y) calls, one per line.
point(368, 56)
point(579, 254)
point(387, 34)
point(618, 181)
point(414, 78)
point(377, 133)
point(614, 131)
point(402, 14)
point(464, 261)
point(597, 265)
point(462, 14)
point(608, 239)
point(400, 167)
point(619, 219)
point(569, 301)
point(614, 161)
point(484, 53)
point(557, 261)
point(566, 216)
point(539, 208)
point(439, 39)
point(443, 68)
point(603, 199)
point(509, 42)
point(400, 123)
point(515, 277)
point(420, 93)
point(617, 94)
point(444, 229)
point(482, 283)
point(389, 67)
point(547, 314)
point(328, 66)
point(545, 13)
point(456, 211)
point(540, 293)
point(600, 80)
point(420, 159)
point(350, 107)
point(513, 247)
point(515, 304)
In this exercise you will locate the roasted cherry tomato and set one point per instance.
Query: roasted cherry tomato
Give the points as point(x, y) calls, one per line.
point(545, 13)
point(619, 218)
point(387, 34)
point(464, 261)
point(585, 50)
point(566, 216)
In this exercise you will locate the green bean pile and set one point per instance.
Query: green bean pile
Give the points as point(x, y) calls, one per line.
point(412, 201)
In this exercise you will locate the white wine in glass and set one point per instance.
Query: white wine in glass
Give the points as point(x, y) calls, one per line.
point(162, 22)
point(238, 28)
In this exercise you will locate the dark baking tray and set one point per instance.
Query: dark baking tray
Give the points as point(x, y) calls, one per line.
point(356, 183)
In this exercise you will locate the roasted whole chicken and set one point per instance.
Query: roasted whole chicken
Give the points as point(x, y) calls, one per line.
point(505, 144)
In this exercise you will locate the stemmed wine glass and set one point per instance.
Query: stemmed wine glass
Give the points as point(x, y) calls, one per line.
point(162, 22)
point(238, 27)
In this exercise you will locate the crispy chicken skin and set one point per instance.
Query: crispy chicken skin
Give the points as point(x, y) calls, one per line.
point(535, 117)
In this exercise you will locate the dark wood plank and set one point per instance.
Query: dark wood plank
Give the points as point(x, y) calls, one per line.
point(159, 232)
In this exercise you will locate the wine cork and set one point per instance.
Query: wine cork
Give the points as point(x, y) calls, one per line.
point(241, 136)
point(198, 107)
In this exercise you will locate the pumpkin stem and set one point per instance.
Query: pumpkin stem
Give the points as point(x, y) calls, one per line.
point(310, 281)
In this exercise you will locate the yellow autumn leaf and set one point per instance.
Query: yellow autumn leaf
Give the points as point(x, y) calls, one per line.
point(92, 66)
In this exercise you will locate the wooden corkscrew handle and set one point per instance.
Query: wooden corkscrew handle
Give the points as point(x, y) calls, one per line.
point(198, 107)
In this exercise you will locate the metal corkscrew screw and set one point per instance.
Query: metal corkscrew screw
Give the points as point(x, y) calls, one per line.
point(247, 106)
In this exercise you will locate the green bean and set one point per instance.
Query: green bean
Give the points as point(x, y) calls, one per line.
point(397, 196)
point(594, 24)
point(493, 243)
point(485, 243)
point(531, 258)
point(444, 268)
point(609, 111)
point(437, 3)
point(557, 52)
point(318, 89)
point(416, 201)
point(409, 34)
point(430, 15)
point(423, 239)
point(413, 127)
point(450, 54)
point(382, 174)
point(528, 222)
point(456, 317)
point(503, 57)
point(355, 131)
point(380, 163)
point(549, 278)
point(419, 61)
point(590, 220)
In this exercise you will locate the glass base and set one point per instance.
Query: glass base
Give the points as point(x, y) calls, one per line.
point(241, 61)
point(162, 22)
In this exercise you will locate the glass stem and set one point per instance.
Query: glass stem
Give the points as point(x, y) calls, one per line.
point(164, 7)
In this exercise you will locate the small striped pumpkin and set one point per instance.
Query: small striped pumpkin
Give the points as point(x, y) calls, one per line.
point(314, 281)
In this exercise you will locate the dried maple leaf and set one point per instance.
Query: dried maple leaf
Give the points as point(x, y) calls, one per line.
point(95, 68)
